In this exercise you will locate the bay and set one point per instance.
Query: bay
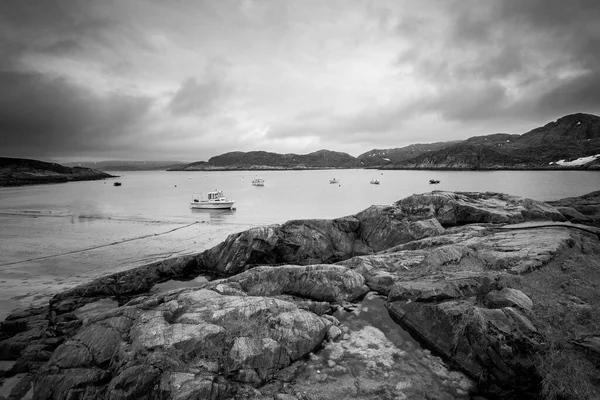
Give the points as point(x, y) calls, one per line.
point(53, 237)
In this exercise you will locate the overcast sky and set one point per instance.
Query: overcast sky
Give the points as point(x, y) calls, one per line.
point(190, 79)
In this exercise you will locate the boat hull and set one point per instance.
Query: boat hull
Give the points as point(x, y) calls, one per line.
point(223, 205)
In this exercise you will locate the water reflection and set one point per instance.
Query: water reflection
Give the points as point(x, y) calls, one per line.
point(213, 215)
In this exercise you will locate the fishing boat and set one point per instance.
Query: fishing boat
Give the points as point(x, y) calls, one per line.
point(334, 180)
point(213, 200)
point(258, 182)
point(433, 181)
point(375, 181)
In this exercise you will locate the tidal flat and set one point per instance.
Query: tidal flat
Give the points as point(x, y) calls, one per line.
point(46, 254)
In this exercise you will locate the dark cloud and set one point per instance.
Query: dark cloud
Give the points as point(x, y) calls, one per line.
point(198, 98)
point(41, 116)
point(506, 59)
point(67, 28)
point(467, 103)
point(579, 94)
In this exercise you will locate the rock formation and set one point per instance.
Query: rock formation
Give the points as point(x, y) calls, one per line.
point(503, 288)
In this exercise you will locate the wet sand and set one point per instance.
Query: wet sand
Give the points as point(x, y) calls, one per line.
point(42, 255)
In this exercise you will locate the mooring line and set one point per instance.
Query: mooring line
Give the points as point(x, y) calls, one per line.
point(92, 248)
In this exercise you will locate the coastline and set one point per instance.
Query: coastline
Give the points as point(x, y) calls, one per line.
point(43, 255)
point(383, 168)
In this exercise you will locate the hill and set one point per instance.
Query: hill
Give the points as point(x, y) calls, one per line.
point(127, 165)
point(261, 160)
point(571, 142)
point(19, 171)
point(380, 157)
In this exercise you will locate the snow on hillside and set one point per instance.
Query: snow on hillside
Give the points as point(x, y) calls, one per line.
point(579, 161)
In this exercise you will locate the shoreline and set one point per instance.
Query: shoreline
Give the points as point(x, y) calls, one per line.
point(43, 255)
point(383, 168)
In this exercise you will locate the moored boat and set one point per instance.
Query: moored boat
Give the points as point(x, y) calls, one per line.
point(334, 180)
point(213, 200)
point(375, 181)
point(117, 184)
point(433, 181)
point(258, 182)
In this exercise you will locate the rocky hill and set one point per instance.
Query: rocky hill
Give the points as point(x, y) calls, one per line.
point(19, 171)
point(260, 160)
point(127, 165)
point(380, 157)
point(571, 142)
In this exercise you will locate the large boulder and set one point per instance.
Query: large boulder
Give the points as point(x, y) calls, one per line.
point(496, 345)
point(331, 283)
point(300, 242)
point(583, 209)
point(457, 208)
point(181, 344)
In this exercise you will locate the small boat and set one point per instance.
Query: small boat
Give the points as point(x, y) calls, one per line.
point(258, 182)
point(334, 180)
point(213, 200)
point(117, 183)
point(433, 181)
point(375, 181)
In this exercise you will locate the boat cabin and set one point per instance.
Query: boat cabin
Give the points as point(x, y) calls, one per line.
point(215, 196)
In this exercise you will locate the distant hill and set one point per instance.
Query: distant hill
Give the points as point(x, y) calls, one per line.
point(128, 165)
point(19, 171)
point(570, 142)
point(262, 160)
point(380, 157)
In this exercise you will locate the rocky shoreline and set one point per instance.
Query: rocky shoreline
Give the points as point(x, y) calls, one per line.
point(22, 172)
point(503, 288)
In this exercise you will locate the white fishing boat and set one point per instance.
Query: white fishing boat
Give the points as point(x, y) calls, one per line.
point(258, 182)
point(213, 200)
point(334, 180)
point(375, 181)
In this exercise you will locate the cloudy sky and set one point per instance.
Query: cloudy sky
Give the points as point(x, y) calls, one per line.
point(189, 79)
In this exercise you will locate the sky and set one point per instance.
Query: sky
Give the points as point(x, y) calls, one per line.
point(185, 80)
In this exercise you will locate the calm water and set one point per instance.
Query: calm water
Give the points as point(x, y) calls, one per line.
point(164, 196)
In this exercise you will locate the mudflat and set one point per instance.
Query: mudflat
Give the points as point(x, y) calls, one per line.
point(42, 255)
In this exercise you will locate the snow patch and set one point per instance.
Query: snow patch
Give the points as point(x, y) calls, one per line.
point(579, 161)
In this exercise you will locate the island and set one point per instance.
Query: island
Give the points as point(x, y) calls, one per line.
point(20, 171)
point(569, 143)
point(504, 289)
